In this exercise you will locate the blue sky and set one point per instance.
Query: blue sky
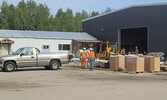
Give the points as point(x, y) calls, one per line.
point(88, 5)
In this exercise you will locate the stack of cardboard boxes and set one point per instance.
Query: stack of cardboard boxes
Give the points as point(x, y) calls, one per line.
point(117, 62)
point(152, 64)
point(135, 63)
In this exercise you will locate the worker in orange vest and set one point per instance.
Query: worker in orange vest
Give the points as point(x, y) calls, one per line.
point(84, 56)
point(91, 58)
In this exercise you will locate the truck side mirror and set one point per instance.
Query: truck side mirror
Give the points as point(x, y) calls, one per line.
point(21, 54)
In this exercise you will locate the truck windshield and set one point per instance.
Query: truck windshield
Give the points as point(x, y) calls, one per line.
point(17, 52)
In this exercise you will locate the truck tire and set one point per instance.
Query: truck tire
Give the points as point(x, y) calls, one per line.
point(9, 67)
point(3, 69)
point(54, 65)
point(47, 67)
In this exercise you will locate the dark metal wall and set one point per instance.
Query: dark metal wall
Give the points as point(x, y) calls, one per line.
point(106, 28)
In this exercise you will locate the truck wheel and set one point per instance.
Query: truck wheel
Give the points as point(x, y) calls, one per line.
point(9, 67)
point(54, 65)
point(3, 69)
point(47, 67)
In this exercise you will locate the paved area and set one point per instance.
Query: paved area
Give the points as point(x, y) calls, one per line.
point(72, 83)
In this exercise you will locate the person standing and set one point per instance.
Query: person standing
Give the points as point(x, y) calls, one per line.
point(84, 56)
point(91, 58)
point(123, 51)
point(136, 51)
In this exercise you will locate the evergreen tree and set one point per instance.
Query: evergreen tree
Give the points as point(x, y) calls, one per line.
point(31, 6)
point(69, 21)
point(42, 17)
point(4, 15)
point(84, 14)
point(78, 19)
point(107, 10)
point(23, 15)
point(30, 16)
point(59, 20)
point(11, 17)
point(94, 14)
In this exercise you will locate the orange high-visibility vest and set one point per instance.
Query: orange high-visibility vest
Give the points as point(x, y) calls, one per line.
point(123, 51)
point(83, 54)
point(92, 55)
point(136, 51)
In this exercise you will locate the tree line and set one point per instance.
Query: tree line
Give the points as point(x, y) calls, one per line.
point(32, 16)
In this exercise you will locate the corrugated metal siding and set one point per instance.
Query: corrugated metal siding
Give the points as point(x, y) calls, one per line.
point(153, 17)
point(46, 34)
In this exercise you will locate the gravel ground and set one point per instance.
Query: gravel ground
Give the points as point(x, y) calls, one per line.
point(73, 83)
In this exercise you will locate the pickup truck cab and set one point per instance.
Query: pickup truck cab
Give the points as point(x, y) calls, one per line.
point(31, 57)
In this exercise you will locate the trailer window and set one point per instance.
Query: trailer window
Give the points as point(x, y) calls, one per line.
point(64, 46)
point(60, 47)
point(45, 46)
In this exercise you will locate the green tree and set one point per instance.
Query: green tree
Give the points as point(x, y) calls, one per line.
point(69, 21)
point(4, 15)
point(78, 19)
point(52, 24)
point(31, 6)
point(107, 10)
point(42, 17)
point(31, 16)
point(11, 17)
point(59, 20)
point(84, 14)
point(23, 15)
point(94, 14)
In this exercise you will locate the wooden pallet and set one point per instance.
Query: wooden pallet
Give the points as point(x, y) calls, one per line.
point(119, 70)
point(163, 67)
point(134, 72)
point(156, 71)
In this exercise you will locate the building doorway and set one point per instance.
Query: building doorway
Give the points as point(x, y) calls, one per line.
point(132, 37)
point(5, 46)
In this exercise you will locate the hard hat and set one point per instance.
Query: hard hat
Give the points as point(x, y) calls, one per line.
point(84, 48)
point(90, 49)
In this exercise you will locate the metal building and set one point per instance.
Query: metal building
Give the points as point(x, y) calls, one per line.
point(144, 26)
point(45, 41)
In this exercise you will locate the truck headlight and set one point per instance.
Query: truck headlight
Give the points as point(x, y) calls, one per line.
point(0, 59)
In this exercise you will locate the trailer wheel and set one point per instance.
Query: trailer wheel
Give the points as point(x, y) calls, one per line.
point(9, 67)
point(54, 65)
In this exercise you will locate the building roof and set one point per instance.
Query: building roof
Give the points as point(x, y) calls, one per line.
point(143, 5)
point(89, 41)
point(45, 35)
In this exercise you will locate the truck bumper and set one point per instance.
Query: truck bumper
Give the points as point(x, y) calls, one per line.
point(64, 61)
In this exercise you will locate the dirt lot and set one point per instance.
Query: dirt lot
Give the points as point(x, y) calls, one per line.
point(73, 83)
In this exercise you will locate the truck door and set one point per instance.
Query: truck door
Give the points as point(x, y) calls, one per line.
point(27, 58)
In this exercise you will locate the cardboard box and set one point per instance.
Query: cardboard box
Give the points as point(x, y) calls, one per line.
point(152, 64)
point(117, 62)
point(126, 56)
point(112, 63)
point(134, 64)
